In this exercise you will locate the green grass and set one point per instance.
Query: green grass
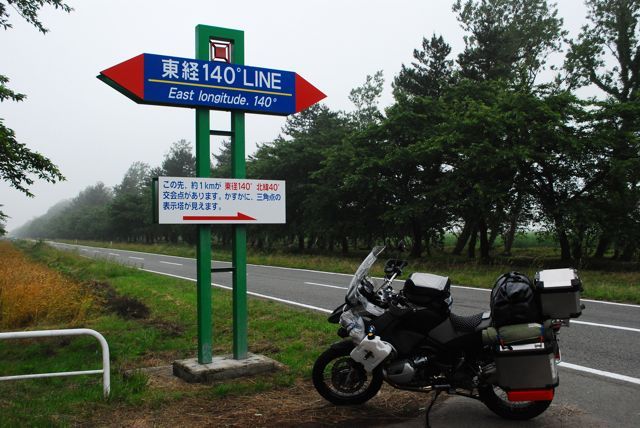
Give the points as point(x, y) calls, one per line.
point(618, 286)
point(293, 337)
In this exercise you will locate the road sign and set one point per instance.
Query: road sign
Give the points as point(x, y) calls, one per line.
point(191, 200)
point(185, 82)
point(206, 85)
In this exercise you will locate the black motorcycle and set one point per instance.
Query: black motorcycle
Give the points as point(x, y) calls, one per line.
point(411, 340)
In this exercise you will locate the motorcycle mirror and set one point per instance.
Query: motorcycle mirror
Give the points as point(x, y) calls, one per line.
point(389, 268)
point(394, 266)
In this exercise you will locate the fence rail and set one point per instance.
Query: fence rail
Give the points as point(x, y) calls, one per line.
point(106, 367)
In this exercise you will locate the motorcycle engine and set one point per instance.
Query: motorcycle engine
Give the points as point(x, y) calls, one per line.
point(413, 370)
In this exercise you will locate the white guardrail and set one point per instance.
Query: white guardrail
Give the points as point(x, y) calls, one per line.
point(106, 369)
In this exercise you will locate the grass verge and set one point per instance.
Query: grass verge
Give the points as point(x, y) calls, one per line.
point(156, 337)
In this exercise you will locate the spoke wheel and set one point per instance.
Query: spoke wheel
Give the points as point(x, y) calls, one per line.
point(341, 380)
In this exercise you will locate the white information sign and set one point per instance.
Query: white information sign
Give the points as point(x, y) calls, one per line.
point(192, 200)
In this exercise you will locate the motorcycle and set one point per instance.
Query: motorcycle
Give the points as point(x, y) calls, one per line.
point(411, 340)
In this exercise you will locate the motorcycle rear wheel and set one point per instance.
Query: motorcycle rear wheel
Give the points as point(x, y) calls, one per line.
point(496, 400)
point(343, 381)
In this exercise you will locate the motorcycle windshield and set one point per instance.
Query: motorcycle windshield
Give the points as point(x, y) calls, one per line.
point(361, 273)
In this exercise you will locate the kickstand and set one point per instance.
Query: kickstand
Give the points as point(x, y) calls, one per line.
point(435, 397)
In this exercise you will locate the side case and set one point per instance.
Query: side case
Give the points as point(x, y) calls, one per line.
point(526, 366)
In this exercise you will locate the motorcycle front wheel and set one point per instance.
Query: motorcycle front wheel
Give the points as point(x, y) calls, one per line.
point(343, 381)
point(496, 400)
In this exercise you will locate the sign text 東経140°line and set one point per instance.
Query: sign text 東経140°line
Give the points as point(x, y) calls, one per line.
point(183, 82)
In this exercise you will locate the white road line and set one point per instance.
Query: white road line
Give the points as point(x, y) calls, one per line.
point(301, 270)
point(350, 275)
point(600, 373)
point(562, 364)
point(136, 258)
point(629, 305)
point(114, 254)
point(453, 286)
point(326, 285)
point(170, 263)
point(464, 287)
point(277, 299)
point(130, 251)
point(616, 327)
point(251, 293)
point(604, 302)
point(220, 261)
point(168, 274)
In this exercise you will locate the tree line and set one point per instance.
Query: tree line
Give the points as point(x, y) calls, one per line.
point(481, 144)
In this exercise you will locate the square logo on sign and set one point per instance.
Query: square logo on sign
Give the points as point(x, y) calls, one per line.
point(221, 51)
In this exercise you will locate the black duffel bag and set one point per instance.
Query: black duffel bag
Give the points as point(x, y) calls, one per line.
point(513, 300)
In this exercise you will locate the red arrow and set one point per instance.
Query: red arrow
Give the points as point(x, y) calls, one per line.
point(306, 94)
point(128, 75)
point(238, 216)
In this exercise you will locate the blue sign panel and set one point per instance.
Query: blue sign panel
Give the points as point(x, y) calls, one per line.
point(217, 85)
point(184, 82)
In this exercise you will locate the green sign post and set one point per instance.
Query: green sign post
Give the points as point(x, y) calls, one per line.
point(204, 35)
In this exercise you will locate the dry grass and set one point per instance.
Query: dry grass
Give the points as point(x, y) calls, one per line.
point(32, 294)
point(296, 406)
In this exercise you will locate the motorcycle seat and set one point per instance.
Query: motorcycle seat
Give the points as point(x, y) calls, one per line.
point(466, 324)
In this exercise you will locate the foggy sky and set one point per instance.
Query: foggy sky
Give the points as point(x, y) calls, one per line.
point(93, 133)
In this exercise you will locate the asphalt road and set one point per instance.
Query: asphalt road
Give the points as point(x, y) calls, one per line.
point(599, 375)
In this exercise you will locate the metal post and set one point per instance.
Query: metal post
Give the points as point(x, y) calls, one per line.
point(239, 251)
point(238, 168)
point(203, 251)
point(203, 36)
